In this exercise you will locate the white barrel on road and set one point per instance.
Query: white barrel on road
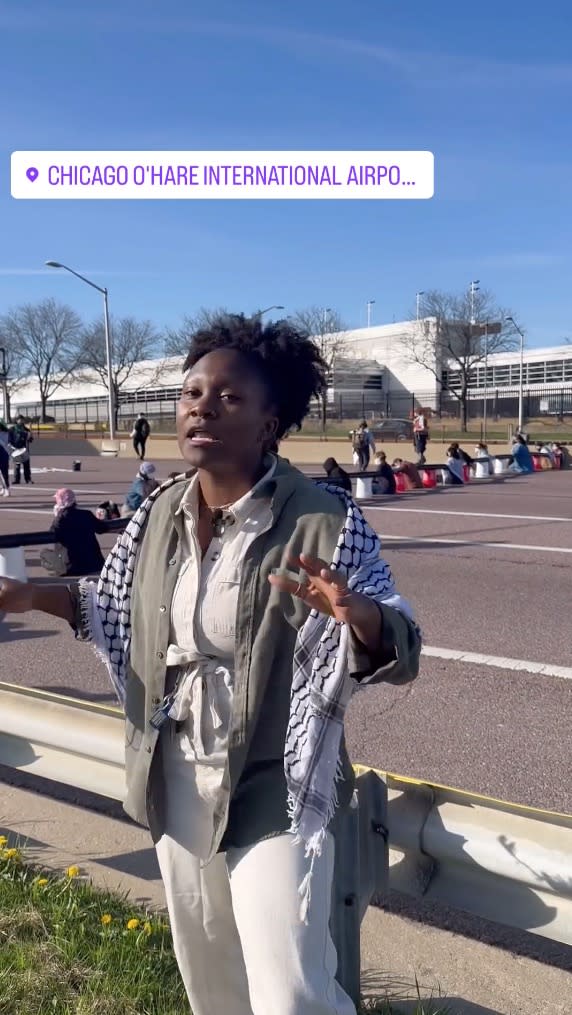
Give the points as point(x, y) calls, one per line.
point(363, 488)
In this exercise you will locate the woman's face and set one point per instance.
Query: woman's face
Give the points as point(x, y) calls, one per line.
point(224, 422)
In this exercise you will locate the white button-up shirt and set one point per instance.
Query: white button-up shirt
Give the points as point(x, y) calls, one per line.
point(203, 620)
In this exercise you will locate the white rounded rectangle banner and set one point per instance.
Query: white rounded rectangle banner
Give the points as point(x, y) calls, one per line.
point(219, 176)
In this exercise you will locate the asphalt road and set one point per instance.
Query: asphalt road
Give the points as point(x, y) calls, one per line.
point(488, 571)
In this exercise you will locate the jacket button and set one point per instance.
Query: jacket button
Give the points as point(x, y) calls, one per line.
point(160, 655)
point(148, 749)
point(172, 562)
point(162, 609)
point(155, 701)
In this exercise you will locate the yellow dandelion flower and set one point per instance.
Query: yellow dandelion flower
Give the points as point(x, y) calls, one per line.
point(41, 882)
point(132, 924)
point(106, 919)
point(72, 872)
point(147, 927)
point(12, 854)
point(3, 841)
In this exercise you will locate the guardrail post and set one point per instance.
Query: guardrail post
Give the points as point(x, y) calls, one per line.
point(361, 873)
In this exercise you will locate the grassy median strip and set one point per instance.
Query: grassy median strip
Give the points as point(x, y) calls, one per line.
point(68, 948)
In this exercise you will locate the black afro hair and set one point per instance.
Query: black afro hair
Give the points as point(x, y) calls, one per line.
point(284, 356)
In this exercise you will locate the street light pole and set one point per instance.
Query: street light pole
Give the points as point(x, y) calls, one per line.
point(268, 309)
point(108, 352)
point(486, 381)
point(369, 306)
point(521, 378)
point(418, 301)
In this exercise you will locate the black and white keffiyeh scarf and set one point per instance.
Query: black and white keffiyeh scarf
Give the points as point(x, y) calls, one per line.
point(321, 685)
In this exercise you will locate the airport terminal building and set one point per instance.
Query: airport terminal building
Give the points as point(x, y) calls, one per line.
point(375, 376)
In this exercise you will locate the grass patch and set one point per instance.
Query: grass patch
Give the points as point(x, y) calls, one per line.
point(68, 948)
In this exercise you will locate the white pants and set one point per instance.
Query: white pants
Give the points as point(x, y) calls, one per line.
point(239, 941)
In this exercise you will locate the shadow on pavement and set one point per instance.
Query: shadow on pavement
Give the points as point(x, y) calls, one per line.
point(380, 988)
point(10, 631)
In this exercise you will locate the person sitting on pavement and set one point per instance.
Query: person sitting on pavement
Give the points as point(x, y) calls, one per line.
point(408, 469)
point(521, 456)
point(483, 463)
point(545, 449)
point(76, 550)
point(337, 475)
point(465, 458)
point(142, 486)
point(384, 476)
point(107, 511)
point(456, 465)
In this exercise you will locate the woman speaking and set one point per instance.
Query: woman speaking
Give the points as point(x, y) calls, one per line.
point(236, 614)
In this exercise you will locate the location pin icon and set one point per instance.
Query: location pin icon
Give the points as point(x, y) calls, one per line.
point(32, 174)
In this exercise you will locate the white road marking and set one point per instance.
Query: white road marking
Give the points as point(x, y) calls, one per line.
point(52, 489)
point(469, 514)
point(546, 669)
point(472, 542)
point(23, 511)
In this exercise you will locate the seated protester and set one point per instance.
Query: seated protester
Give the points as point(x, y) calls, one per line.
point(76, 550)
point(142, 486)
point(107, 511)
point(337, 475)
point(383, 476)
point(465, 458)
point(521, 456)
point(408, 469)
point(484, 462)
point(456, 465)
point(545, 449)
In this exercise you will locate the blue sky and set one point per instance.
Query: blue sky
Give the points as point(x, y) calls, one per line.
point(486, 87)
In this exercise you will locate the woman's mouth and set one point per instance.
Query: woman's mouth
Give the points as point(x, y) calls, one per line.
point(200, 438)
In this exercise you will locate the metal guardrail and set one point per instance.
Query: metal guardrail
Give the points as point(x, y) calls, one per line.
point(15, 539)
point(508, 863)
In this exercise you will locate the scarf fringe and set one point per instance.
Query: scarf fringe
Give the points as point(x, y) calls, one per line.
point(92, 631)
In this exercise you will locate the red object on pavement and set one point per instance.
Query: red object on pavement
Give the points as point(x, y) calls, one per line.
point(537, 463)
point(429, 478)
point(466, 473)
point(400, 482)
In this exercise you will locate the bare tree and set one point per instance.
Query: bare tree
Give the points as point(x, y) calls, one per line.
point(457, 333)
point(329, 334)
point(13, 373)
point(132, 342)
point(45, 339)
point(178, 340)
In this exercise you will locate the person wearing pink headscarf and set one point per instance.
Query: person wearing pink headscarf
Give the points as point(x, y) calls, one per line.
point(76, 550)
point(64, 498)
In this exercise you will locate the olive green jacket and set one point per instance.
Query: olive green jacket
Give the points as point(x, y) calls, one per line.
point(306, 519)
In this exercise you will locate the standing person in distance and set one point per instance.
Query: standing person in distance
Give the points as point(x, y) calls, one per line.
point(140, 435)
point(239, 610)
point(420, 436)
point(19, 439)
point(363, 445)
point(4, 459)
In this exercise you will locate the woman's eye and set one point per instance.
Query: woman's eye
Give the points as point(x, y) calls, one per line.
point(230, 397)
point(190, 393)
